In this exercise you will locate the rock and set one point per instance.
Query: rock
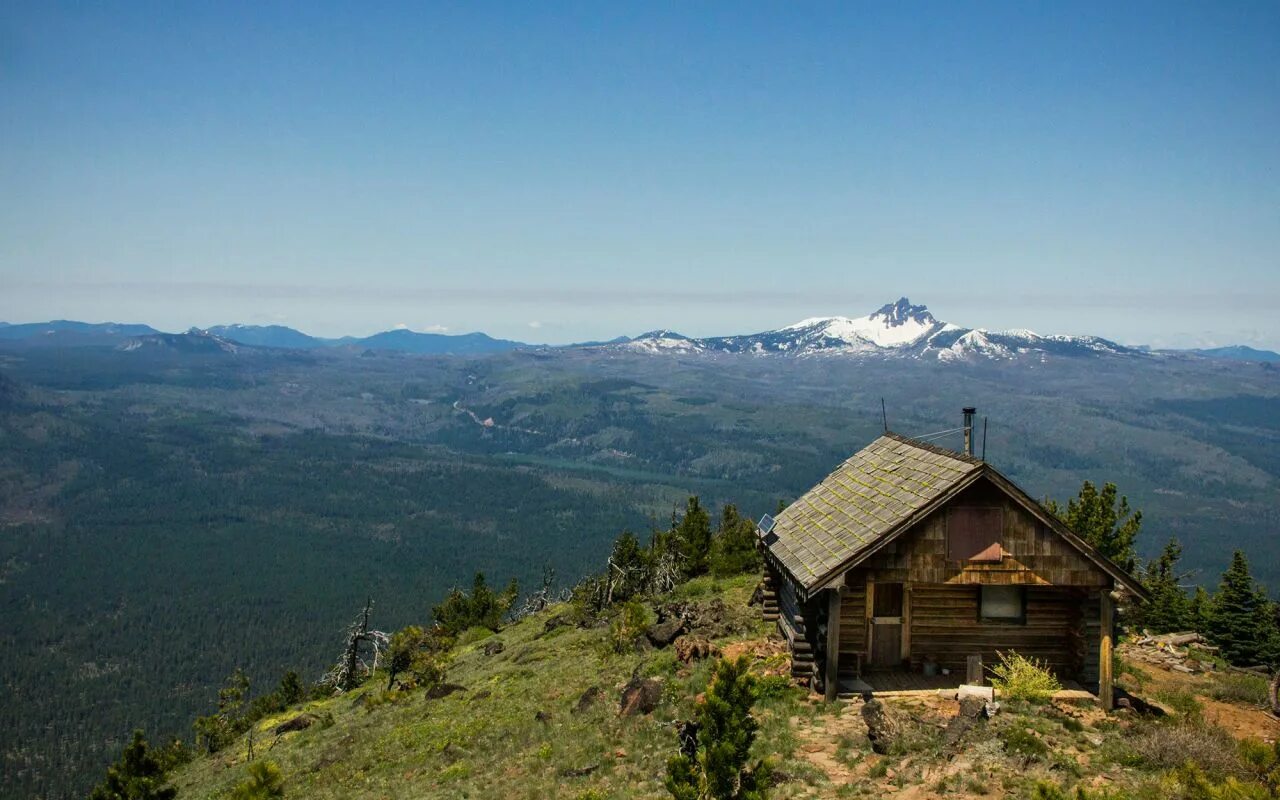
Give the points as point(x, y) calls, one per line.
point(984, 693)
point(883, 726)
point(553, 623)
point(639, 696)
point(494, 647)
point(972, 707)
point(589, 698)
point(298, 723)
point(662, 634)
point(690, 648)
point(444, 690)
point(543, 717)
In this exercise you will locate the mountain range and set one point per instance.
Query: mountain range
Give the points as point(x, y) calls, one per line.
point(896, 330)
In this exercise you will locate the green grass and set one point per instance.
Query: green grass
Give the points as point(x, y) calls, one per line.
point(486, 742)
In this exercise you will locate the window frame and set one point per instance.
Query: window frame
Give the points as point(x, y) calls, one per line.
point(1021, 619)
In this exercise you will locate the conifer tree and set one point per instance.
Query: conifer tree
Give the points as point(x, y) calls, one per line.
point(733, 550)
point(138, 775)
point(1108, 525)
point(1198, 610)
point(693, 537)
point(716, 762)
point(1168, 609)
point(1241, 618)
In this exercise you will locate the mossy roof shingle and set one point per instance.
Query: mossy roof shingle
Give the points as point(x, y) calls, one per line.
point(865, 498)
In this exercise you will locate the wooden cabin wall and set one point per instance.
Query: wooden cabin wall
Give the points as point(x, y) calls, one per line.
point(945, 627)
point(798, 624)
point(1091, 612)
point(853, 621)
point(1032, 554)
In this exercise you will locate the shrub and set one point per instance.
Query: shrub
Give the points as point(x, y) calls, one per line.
point(1169, 746)
point(1022, 742)
point(628, 626)
point(1250, 689)
point(264, 783)
point(1019, 678)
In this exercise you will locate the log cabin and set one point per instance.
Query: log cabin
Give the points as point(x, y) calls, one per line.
point(913, 558)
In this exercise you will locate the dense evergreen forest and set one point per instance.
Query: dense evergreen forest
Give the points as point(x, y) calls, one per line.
point(169, 517)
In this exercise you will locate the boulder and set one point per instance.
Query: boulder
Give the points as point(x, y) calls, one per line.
point(492, 648)
point(298, 723)
point(972, 709)
point(664, 633)
point(639, 696)
point(589, 698)
point(883, 726)
point(444, 690)
point(690, 648)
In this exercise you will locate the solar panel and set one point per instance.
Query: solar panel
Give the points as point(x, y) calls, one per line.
point(766, 524)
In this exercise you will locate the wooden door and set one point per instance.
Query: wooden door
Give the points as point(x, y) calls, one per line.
point(886, 625)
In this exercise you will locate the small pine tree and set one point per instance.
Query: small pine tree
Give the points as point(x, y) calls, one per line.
point(1241, 619)
point(733, 550)
point(216, 730)
point(291, 691)
point(483, 607)
point(265, 782)
point(1198, 610)
point(693, 537)
point(630, 568)
point(718, 766)
point(138, 775)
point(1109, 526)
point(1168, 609)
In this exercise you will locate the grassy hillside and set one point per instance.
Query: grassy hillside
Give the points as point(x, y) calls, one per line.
point(168, 517)
point(517, 727)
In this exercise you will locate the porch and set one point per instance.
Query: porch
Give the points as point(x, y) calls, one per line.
point(894, 683)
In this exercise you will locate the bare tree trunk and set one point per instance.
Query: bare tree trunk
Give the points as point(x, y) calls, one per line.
point(1275, 694)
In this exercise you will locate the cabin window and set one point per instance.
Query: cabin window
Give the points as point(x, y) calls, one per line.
point(1003, 604)
point(974, 533)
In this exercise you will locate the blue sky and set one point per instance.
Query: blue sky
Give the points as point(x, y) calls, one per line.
point(553, 172)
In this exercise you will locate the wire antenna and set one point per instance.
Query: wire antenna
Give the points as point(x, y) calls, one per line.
point(984, 438)
point(884, 415)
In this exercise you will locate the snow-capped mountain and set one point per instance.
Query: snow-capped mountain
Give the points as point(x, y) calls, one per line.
point(895, 330)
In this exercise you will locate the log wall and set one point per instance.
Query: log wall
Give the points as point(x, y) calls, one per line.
point(945, 627)
point(797, 623)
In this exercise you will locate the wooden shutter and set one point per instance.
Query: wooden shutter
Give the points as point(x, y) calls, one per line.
point(974, 533)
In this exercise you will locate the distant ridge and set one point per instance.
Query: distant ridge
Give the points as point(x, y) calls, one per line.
point(896, 330)
point(900, 329)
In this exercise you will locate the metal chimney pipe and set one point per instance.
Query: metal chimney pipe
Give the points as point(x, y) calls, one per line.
point(969, 411)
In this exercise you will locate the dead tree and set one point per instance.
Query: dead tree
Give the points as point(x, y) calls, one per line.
point(1275, 693)
point(360, 655)
point(539, 600)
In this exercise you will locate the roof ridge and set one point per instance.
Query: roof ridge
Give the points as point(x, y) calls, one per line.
point(935, 449)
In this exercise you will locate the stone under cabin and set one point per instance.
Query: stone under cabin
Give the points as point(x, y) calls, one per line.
point(911, 566)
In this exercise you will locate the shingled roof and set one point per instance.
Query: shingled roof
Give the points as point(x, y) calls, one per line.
point(866, 497)
point(880, 491)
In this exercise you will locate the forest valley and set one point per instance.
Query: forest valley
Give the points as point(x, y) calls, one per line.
point(671, 621)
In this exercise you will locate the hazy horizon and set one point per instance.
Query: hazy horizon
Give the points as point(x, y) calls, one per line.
point(559, 173)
